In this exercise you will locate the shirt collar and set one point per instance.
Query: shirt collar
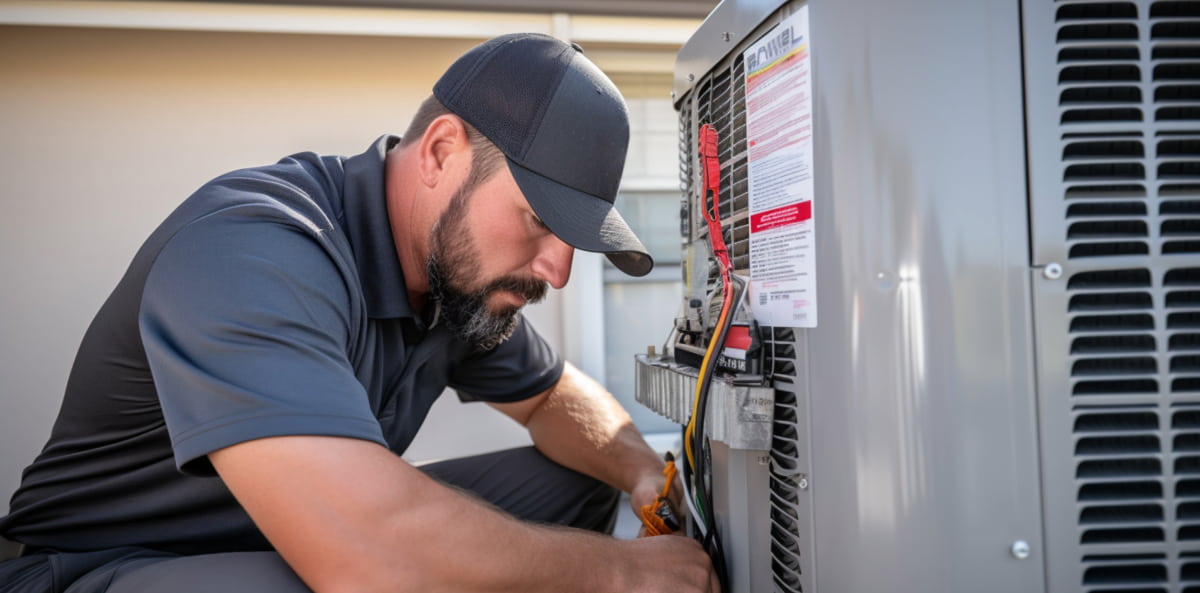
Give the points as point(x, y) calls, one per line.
point(370, 233)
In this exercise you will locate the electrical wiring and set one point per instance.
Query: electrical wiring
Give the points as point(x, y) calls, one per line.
point(705, 372)
point(711, 176)
point(697, 519)
point(704, 522)
point(712, 541)
point(694, 464)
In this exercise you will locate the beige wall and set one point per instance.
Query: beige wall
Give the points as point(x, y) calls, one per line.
point(103, 132)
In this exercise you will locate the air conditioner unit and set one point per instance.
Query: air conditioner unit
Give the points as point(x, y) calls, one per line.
point(996, 207)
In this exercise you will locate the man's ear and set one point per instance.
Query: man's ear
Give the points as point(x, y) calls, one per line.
point(444, 150)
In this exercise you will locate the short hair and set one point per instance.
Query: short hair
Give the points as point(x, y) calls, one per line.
point(485, 156)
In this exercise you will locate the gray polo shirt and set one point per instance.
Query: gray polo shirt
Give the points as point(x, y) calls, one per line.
point(271, 302)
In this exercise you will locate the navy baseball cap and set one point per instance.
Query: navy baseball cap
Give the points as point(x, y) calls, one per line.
point(563, 129)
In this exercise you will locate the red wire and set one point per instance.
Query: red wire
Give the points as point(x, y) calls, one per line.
point(710, 165)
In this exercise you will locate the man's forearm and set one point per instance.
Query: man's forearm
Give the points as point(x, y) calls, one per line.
point(350, 516)
point(581, 426)
point(357, 518)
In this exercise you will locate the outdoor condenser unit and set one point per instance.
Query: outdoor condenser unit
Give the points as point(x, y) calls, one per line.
point(995, 204)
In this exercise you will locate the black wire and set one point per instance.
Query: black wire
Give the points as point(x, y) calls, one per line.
point(702, 412)
point(706, 380)
point(712, 540)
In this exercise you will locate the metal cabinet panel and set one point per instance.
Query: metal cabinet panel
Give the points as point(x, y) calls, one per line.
point(913, 414)
point(1113, 120)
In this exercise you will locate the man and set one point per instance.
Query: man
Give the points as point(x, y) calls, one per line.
point(235, 413)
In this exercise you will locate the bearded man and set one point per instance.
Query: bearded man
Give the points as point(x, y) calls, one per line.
point(236, 413)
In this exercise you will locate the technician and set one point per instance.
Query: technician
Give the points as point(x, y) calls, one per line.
point(236, 412)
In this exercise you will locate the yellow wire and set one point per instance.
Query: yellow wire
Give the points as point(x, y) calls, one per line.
point(712, 345)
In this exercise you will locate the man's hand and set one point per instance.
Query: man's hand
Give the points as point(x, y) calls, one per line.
point(670, 563)
point(581, 426)
point(647, 490)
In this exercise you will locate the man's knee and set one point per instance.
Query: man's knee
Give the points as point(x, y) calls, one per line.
point(529, 485)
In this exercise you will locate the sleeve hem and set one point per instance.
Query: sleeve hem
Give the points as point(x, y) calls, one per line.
point(191, 451)
point(549, 378)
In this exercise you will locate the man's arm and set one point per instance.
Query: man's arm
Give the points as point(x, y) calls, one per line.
point(349, 515)
point(578, 424)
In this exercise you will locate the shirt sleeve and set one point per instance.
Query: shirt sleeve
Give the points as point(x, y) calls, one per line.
point(246, 319)
point(520, 367)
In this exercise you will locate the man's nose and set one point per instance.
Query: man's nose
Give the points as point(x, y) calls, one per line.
point(553, 261)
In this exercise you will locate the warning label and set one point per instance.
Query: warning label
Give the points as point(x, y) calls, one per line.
point(781, 216)
point(779, 144)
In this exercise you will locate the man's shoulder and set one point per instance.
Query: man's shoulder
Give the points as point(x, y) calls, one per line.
point(253, 208)
point(305, 182)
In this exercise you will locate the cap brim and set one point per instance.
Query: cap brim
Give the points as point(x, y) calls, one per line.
point(583, 221)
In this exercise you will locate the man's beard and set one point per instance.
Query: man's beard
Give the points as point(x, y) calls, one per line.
point(453, 265)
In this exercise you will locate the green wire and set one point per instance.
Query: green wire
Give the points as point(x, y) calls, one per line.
point(700, 508)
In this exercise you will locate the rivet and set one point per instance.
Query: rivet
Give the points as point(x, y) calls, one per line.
point(1020, 549)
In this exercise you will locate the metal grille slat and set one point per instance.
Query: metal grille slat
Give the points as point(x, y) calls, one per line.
point(1128, 97)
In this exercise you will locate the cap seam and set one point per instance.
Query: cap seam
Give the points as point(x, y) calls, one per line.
point(544, 104)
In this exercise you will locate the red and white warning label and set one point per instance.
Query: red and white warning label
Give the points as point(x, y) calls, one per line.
point(779, 146)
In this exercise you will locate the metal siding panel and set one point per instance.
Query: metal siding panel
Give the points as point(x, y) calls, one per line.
point(917, 434)
point(1114, 131)
point(924, 434)
point(739, 492)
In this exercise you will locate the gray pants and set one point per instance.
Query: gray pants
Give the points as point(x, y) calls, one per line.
point(521, 481)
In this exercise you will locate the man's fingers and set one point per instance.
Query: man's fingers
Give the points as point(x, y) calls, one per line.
point(644, 493)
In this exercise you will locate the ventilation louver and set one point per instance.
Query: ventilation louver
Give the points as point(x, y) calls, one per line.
point(1128, 79)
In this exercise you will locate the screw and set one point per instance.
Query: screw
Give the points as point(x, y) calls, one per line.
point(691, 77)
point(803, 483)
point(1052, 271)
point(725, 36)
point(764, 460)
point(1020, 549)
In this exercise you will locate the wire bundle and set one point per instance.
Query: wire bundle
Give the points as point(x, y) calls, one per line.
point(657, 517)
point(695, 470)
